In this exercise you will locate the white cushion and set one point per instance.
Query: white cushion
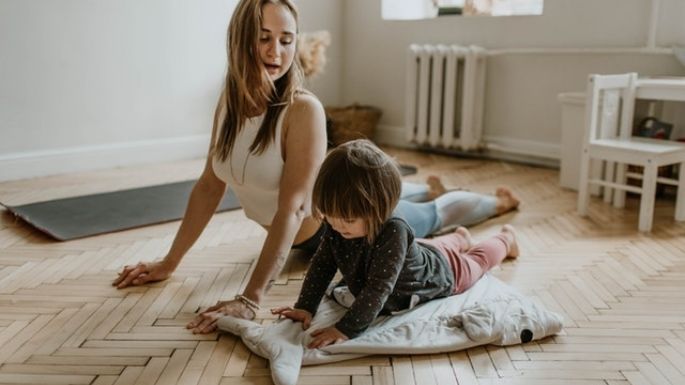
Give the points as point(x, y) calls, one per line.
point(491, 312)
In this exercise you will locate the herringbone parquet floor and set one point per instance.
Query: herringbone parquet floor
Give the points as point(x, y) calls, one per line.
point(620, 292)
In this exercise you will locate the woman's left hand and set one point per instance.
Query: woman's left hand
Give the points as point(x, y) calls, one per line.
point(205, 322)
point(325, 337)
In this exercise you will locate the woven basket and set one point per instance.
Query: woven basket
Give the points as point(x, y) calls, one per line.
point(352, 122)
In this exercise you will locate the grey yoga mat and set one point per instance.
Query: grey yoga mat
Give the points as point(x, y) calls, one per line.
point(83, 216)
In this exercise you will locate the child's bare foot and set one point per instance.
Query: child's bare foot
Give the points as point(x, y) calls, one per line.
point(506, 200)
point(435, 187)
point(467, 240)
point(509, 232)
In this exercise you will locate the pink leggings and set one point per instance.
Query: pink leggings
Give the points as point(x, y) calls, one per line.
point(469, 265)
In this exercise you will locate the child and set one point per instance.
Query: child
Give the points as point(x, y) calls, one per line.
point(383, 265)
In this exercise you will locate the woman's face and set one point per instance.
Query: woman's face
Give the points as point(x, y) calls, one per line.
point(277, 39)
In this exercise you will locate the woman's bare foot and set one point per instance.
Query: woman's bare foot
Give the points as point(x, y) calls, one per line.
point(467, 240)
point(506, 200)
point(509, 233)
point(435, 187)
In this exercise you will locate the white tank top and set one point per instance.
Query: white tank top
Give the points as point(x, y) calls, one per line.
point(255, 179)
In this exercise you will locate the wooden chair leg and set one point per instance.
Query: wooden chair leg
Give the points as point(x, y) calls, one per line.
point(680, 198)
point(619, 194)
point(584, 185)
point(647, 199)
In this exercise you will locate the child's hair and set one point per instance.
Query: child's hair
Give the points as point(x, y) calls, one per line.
point(358, 180)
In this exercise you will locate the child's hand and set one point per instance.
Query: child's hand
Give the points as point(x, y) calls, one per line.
point(298, 315)
point(325, 337)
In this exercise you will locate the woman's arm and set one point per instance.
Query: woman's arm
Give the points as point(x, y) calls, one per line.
point(319, 275)
point(305, 149)
point(204, 199)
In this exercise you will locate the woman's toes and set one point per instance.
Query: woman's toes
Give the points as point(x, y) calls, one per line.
point(506, 200)
point(435, 187)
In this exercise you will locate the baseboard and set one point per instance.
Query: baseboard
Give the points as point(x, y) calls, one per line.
point(517, 150)
point(62, 161)
point(67, 160)
point(541, 151)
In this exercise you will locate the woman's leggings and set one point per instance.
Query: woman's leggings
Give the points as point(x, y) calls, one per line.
point(452, 208)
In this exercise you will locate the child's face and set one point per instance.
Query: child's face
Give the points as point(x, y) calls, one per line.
point(348, 228)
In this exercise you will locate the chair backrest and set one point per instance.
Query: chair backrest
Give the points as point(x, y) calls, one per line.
point(610, 104)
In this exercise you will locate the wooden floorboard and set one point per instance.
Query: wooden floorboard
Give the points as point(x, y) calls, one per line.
point(620, 292)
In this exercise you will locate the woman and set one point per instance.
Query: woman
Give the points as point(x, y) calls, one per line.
point(268, 141)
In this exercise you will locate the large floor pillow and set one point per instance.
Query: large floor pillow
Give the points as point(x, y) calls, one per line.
point(491, 312)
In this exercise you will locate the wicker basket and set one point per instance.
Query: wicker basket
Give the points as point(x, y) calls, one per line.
point(351, 122)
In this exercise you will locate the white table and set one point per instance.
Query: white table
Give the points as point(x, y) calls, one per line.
point(672, 89)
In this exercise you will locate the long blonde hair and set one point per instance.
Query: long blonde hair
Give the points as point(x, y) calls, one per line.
point(358, 180)
point(248, 87)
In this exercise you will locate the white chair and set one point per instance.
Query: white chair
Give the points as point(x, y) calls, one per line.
point(611, 143)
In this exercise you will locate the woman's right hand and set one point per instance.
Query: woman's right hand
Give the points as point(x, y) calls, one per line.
point(297, 315)
point(206, 322)
point(143, 273)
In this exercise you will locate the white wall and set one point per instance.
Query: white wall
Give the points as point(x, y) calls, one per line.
point(96, 83)
point(521, 105)
point(87, 84)
point(326, 15)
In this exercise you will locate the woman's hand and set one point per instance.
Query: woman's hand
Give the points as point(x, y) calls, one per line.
point(325, 337)
point(297, 315)
point(143, 273)
point(205, 322)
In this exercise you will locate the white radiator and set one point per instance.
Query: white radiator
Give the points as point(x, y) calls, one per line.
point(445, 96)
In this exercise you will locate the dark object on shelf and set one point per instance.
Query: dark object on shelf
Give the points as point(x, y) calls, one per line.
point(651, 127)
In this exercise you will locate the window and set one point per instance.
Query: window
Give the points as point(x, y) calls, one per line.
point(428, 9)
